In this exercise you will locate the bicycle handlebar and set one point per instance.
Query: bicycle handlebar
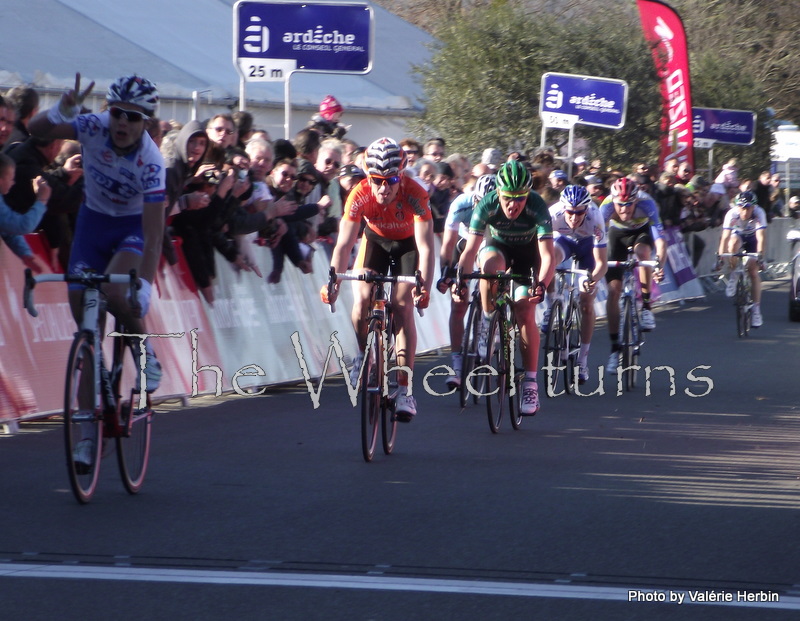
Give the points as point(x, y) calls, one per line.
point(634, 263)
point(372, 277)
point(90, 280)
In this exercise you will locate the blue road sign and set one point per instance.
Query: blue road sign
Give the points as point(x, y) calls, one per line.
point(273, 39)
point(568, 99)
point(726, 126)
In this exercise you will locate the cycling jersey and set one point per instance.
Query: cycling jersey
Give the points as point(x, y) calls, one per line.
point(534, 221)
point(118, 185)
point(460, 213)
point(645, 212)
point(745, 228)
point(593, 226)
point(395, 221)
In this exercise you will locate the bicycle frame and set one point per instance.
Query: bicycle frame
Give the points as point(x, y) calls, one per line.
point(633, 336)
point(742, 300)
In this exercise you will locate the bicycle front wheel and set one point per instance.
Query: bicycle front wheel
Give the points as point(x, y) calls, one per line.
point(630, 345)
point(742, 307)
point(555, 349)
point(573, 341)
point(497, 382)
point(135, 418)
point(516, 376)
point(371, 388)
point(83, 429)
point(469, 351)
point(388, 419)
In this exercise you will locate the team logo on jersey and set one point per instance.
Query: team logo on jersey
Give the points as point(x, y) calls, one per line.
point(151, 177)
point(90, 124)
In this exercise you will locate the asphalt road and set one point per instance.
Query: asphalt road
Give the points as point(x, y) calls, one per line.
point(262, 507)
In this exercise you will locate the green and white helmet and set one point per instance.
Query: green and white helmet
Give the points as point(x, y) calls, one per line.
point(513, 178)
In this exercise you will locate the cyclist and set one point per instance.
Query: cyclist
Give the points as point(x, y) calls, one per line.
point(745, 228)
point(579, 231)
point(521, 238)
point(632, 219)
point(399, 237)
point(453, 243)
point(121, 221)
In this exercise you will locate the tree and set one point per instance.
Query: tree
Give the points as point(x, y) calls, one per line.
point(482, 86)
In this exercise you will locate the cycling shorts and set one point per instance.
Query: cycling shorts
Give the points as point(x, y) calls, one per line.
point(521, 259)
point(619, 240)
point(749, 242)
point(381, 254)
point(98, 237)
point(581, 249)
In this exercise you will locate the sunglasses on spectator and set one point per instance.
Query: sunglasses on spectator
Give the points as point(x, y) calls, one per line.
point(412, 151)
point(222, 130)
point(380, 180)
point(310, 180)
point(329, 161)
point(130, 115)
point(287, 175)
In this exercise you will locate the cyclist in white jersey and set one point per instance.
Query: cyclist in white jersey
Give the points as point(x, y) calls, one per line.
point(579, 230)
point(745, 228)
point(456, 230)
point(120, 224)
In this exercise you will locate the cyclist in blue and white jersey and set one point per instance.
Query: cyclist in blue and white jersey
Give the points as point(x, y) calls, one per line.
point(745, 228)
point(632, 219)
point(579, 231)
point(120, 224)
point(456, 228)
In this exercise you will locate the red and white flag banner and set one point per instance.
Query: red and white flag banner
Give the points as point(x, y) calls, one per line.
point(664, 31)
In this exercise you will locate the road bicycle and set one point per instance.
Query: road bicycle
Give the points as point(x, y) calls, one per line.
point(470, 358)
point(102, 402)
point(631, 333)
point(503, 359)
point(378, 386)
point(743, 295)
point(562, 343)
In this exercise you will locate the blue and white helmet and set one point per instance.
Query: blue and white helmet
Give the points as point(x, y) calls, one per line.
point(484, 185)
point(135, 90)
point(575, 197)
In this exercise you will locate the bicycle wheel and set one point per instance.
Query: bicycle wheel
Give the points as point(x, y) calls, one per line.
point(388, 419)
point(81, 422)
point(496, 358)
point(134, 419)
point(515, 378)
point(572, 328)
point(371, 388)
point(469, 351)
point(555, 349)
point(630, 345)
point(742, 307)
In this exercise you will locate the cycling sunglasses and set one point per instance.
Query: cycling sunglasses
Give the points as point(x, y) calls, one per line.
point(515, 197)
point(574, 212)
point(624, 204)
point(381, 180)
point(130, 115)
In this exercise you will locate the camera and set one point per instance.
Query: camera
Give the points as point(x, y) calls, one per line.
point(211, 177)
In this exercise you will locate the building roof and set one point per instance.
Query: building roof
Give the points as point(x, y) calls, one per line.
point(186, 46)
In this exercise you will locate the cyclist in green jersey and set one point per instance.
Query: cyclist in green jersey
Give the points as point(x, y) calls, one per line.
point(520, 237)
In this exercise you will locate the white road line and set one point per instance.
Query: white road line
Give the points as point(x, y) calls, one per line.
point(377, 583)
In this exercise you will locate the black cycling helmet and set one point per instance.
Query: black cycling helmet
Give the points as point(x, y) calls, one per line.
point(746, 199)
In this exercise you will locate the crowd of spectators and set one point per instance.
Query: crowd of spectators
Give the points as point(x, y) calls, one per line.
point(234, 192)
